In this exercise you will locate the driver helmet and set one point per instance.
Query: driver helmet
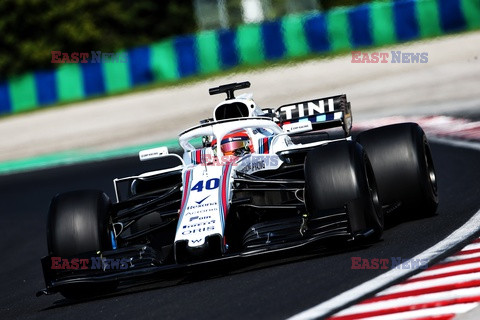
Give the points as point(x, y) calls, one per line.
point(235, 143)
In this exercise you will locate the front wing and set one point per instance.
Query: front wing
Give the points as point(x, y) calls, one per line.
point(142, 264)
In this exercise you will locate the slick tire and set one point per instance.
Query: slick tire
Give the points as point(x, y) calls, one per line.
point(403, 166)
point(78, 223)
point(339, 175)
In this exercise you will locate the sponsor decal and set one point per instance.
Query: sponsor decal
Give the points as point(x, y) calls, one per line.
point(209, 210)
point(85, 57)
point(197, 224)
point(203, 205)
point(94, 263)
point(308, 108)
point(152, 153)
point(197, 230)
point(200, 218)
point(254, 166)
point(200, 202)
point(297, 127)
point(359, 263)
point(258, 162)
point(389, 57)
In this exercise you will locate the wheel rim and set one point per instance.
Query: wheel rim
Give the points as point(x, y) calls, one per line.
point(373, 190)
point(431, 176)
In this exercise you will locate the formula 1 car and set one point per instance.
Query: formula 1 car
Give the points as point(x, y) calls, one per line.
point(251, 182)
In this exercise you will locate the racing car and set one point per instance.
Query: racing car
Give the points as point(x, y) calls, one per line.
point(250, 182)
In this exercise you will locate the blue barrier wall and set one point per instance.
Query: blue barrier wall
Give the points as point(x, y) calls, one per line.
point(340, 29)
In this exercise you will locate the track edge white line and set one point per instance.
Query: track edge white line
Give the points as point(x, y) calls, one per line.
point(358, 293)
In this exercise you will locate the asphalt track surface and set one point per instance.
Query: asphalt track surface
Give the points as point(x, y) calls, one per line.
point(264, 292)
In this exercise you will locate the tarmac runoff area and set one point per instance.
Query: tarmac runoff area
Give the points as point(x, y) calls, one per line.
point(448, 81)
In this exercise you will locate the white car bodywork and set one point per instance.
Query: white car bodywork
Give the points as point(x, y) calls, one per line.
point(209, 176)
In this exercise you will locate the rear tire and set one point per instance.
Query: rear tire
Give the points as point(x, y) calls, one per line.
point(338, 175)
point(403, 166)
point(78, 223)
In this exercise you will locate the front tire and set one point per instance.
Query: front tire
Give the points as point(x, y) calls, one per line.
point(78, 223)
point(340, 175)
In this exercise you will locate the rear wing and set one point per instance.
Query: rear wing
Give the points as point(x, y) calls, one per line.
point(316, 114)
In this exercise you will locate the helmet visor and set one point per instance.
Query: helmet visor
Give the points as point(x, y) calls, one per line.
point(229, 148)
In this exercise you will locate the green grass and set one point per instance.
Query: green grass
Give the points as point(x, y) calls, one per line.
point(77, 156)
